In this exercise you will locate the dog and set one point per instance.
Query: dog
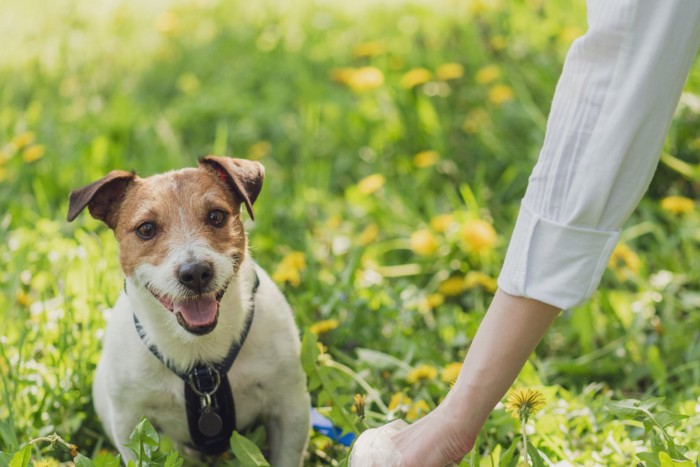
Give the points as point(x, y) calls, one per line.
point(201, 341)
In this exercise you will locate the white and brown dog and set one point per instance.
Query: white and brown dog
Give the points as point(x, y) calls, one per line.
point(201, 341)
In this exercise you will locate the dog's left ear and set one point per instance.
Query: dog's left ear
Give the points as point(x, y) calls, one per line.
point(244, 177)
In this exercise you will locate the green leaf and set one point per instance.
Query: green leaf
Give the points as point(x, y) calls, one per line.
point(247, 452)
point(650, 459)
point(82, 461)
point(22, 457)
point(107, 460)
point(8, 435)
point(309, 352)
point(174, 460)
point(508, 458)
point(666, 418)
point(144, 441)
point(5, 459)
point(666, 460)
point(535, 456)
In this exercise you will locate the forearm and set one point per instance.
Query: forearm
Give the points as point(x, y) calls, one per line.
point(510, 331)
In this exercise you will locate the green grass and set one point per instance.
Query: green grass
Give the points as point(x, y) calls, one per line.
point(88, 87)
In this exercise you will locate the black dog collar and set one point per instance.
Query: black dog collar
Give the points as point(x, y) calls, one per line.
point(211, 411)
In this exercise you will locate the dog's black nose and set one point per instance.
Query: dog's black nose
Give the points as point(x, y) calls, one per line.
point(195, 275)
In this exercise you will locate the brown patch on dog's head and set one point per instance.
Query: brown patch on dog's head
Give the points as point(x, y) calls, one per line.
point(155, 216)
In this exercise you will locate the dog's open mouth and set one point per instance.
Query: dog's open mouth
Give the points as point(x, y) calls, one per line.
point(198, 314)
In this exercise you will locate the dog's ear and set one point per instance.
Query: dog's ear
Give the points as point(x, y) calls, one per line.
point(244, 177)
point(101, 197)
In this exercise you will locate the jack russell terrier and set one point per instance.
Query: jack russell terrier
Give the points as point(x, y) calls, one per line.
point(201, 341)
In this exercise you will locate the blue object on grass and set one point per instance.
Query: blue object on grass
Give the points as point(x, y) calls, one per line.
point(326, 427)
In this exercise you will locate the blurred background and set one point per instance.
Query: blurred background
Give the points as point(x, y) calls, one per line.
point(397, 137)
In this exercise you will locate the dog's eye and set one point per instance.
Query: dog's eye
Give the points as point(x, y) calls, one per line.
point(217, 217)
point(147, 230)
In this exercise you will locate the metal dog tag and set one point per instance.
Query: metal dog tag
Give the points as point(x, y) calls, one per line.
point(210, 423)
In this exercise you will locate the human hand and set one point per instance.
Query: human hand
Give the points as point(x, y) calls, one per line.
point(436, 440)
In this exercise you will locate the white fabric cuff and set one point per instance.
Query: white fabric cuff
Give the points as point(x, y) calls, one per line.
point(555, 263)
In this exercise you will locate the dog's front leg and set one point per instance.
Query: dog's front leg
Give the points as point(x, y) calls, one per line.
point(122, 423)
point(288, 434)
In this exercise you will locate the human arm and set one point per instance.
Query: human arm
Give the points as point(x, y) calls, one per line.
point(612, 108)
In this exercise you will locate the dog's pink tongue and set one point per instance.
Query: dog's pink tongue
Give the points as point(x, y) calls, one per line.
point(198, 312)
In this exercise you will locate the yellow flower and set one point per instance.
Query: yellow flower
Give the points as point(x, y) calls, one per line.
point(677, 204)
point(624, 261)
point(434, 300)
point(22, 140)
point(423, 242)
point(426, 159)
point(324, 326)
point(448, 71)
point(569, 34)
point(358, 405)
point(23, 299)
point(259, 150)
point(359, 79)
point(289, 269)
point(479, 236)
point(33, 153)
point(415, 77)
point(476, 278)
point(368, 49)
point(421, 373)
point(450, 372)
point(452, 287)
point(418, 409)
point(368, 235)
point(524, 402)
point(475, 120)
point(488, 74)
point(399, 400)
point(442, 222)
point(500, 94)
point(370, 184)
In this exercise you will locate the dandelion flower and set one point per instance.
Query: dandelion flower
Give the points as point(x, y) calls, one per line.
point(416, 410)
point(23, 299)
point(422, 373)
point(624, 261)
point(290, 268)
point(415, 77)
point(449, 71)
point(479, 279)
point(426, 159)
point(677, 204)
point(488, 74)
point(368, 49)
point(358, 405)
point(368, 235)
point(359, 79)
point(423, 242)
point(442, 222)
point(371, 184)
point(524, 402)
point(399, 401)
point(323, 327)
point(479, 235)
point(450, 372)
point(500, 94)
point(452, 287)
point(33, 153)
point(434, 300)
point(22, 140)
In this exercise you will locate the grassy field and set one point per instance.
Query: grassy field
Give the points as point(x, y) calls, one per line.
point(397, 138)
